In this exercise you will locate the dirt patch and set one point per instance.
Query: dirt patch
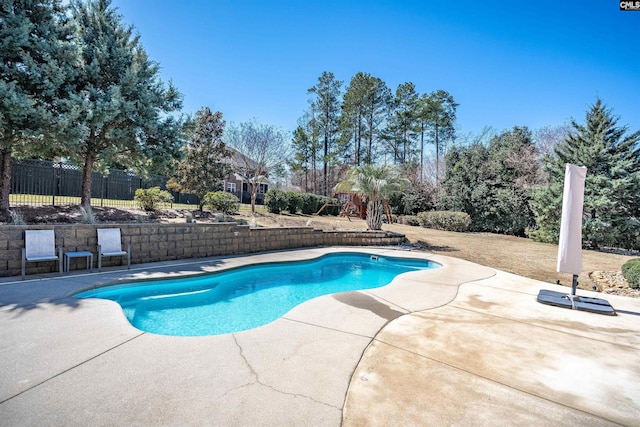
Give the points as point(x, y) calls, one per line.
point(73, 215)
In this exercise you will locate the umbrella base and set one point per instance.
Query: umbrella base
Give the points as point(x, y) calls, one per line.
point(592, 305)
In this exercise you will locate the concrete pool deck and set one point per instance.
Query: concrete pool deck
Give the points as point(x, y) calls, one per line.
point(463, 344)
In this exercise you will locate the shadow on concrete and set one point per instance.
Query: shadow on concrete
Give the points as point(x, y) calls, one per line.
point(633, 313)
point(36, 293)
point(366, 302)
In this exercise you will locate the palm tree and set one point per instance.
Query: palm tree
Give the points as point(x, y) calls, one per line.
point(375, 184)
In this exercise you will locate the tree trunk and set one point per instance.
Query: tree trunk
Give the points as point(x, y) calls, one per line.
point(374, 215)
point(85, 198)
point(5, 173)
point(314, 176)
point(437, 158)
point(254, 193)
point(358, 139)
point(421, 150)
point(325, 169)
point(369, 149)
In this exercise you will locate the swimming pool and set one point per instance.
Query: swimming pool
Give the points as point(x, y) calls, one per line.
point(247, 297)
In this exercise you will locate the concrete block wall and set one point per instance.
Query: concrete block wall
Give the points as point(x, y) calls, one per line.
point(161, 242)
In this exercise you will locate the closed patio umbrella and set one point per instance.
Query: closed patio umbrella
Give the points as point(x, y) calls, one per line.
point(570, 243)
point(570, 246)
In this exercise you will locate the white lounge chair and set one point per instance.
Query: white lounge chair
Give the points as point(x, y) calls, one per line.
point(110, 244)
point(40, 245)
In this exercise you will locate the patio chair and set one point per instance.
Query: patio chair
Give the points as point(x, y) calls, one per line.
point(110, 244)
point(40, 245)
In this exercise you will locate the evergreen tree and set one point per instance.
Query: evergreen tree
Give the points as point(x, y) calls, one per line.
point(302, 152)
point(352, 118)
point(37, 58)
point(441, 115)
point(611, 214)
point(205, 161)
point(466, 183)
point(120, 103)
point(364, 107)
point(402, 130)
point(375, 114)
point(327, 107)
point(493, 184)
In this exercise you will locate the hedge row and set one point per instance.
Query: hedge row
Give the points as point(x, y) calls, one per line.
point(277, 201)
point(445, 220)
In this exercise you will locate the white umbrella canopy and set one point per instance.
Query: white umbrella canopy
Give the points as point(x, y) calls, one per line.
point(570, 243)
point(570, 247)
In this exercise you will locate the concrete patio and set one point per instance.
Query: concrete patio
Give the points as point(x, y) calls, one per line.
point(459, 345)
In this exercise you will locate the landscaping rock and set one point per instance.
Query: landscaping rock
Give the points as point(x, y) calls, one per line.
point(613, 283)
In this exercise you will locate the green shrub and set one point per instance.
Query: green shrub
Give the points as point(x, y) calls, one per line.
point(275, 200)
point(222, 201)
point(294, 201)
point(309, 204)
point(410, 220)
point(445, 220)
point(631, 272)
point(420, 199)
point(151, 198)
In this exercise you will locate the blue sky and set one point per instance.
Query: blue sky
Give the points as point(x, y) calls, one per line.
point(532, 63)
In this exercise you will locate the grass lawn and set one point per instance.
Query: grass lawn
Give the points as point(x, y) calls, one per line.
point(508, 253)
point(37, 200)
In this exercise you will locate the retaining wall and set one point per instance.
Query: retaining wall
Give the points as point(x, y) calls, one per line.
point(161, 242)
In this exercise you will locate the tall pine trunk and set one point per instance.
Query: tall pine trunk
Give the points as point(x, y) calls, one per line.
point(369, 150)
point(437, 158)
point(85, 197)
point(314, 165)
point(5, 173)
point(421, 150)
point(325, 169)
point(374, 214)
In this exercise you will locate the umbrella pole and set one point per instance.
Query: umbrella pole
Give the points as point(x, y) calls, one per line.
point(574, 284)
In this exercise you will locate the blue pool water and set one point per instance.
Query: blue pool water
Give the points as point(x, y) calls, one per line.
point(247, 297)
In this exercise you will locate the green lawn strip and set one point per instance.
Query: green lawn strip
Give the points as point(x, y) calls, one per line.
point(16, 200)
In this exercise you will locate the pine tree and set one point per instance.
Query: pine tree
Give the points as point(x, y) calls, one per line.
point(302, 152)
point(441, 115)
point(364, 106)
point(402, 129)
point(352, 118)
point(204, 165)
point(611, 214)
point(309, 148)
point(375, 114)
point(37, 60)
point(327, 107)
point(120, 103)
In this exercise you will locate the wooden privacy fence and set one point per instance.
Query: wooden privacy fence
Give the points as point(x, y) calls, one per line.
point(42, 182)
